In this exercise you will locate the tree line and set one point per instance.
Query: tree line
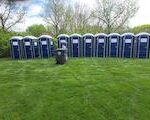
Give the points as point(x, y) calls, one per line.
point(69, 17)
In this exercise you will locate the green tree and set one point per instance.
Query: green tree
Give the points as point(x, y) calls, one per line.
point(141, 28)
point(4, 42)
point(36, 30)
point(114, 14)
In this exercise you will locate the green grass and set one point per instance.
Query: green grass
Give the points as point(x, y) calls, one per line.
point(82, 89)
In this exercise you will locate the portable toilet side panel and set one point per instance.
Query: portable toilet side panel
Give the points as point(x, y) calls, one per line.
point(100, 45)
point(28, 47)
point(75, 41)
point(63, 42)
point(114, 45)
point(16, 47)
point(127, 45)
point(88, 42)
point(142, 45)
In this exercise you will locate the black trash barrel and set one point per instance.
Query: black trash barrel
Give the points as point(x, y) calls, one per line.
point(61, 56)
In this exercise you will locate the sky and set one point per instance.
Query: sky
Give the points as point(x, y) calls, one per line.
point(35, 8)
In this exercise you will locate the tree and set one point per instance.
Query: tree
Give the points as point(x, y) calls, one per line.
point(54, 14)
point(36, 30)
point(11, 13)
point(141, 28)
point(114, 14)
point(81, 18)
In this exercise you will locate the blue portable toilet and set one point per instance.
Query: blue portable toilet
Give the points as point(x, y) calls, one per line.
point(100, 45)
point(28, 47)
point(75, 45)
point(127, 45)
point(114, 45)
point(16, 47)
point(63, 42)
point(46, 46)
point(88, 45)
point(142, 45)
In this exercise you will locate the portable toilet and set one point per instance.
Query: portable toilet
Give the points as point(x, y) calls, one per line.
point(46, 46)
point(88, 45)
point(63, 42)
point(28, 46)
point(127, 45)
point(16, 47)
point(100, 45)
point(113, 45)
point(75, 45)
point(142, 45)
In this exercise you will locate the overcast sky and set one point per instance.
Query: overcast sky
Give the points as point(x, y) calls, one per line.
point(142, 17)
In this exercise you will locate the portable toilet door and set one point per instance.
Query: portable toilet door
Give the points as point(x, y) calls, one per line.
point(88, 45)
point(63, 42)
point(114, 45)
point(28, 47)
point(127, 45)
point(142, 45)
point(16, 47)
point(36, 48)
point(75, 43)
point(100, 45)
point(45, 43)
point(52, 48)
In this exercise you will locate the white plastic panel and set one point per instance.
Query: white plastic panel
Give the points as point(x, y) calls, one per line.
point(15, 43)
point(128, 41)
point(44, 42)
point(27, 43)
point(101, 41)
point(35, 44)
point(88, 41)
point(75, 41)
point(63, 41)
point(144, 40)
point(51, 42)
point(113, 40)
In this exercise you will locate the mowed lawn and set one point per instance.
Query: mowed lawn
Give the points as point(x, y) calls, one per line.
point(82, 89)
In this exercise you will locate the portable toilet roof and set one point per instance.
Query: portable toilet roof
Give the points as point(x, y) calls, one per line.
point(143, 33)
point(29, 37)
point(16, 37)
point(100, 34)
point(63, 35)
point(76, 35)
point(46, 36)
point(113, 34)
point(88, 34)
point(125, 34)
